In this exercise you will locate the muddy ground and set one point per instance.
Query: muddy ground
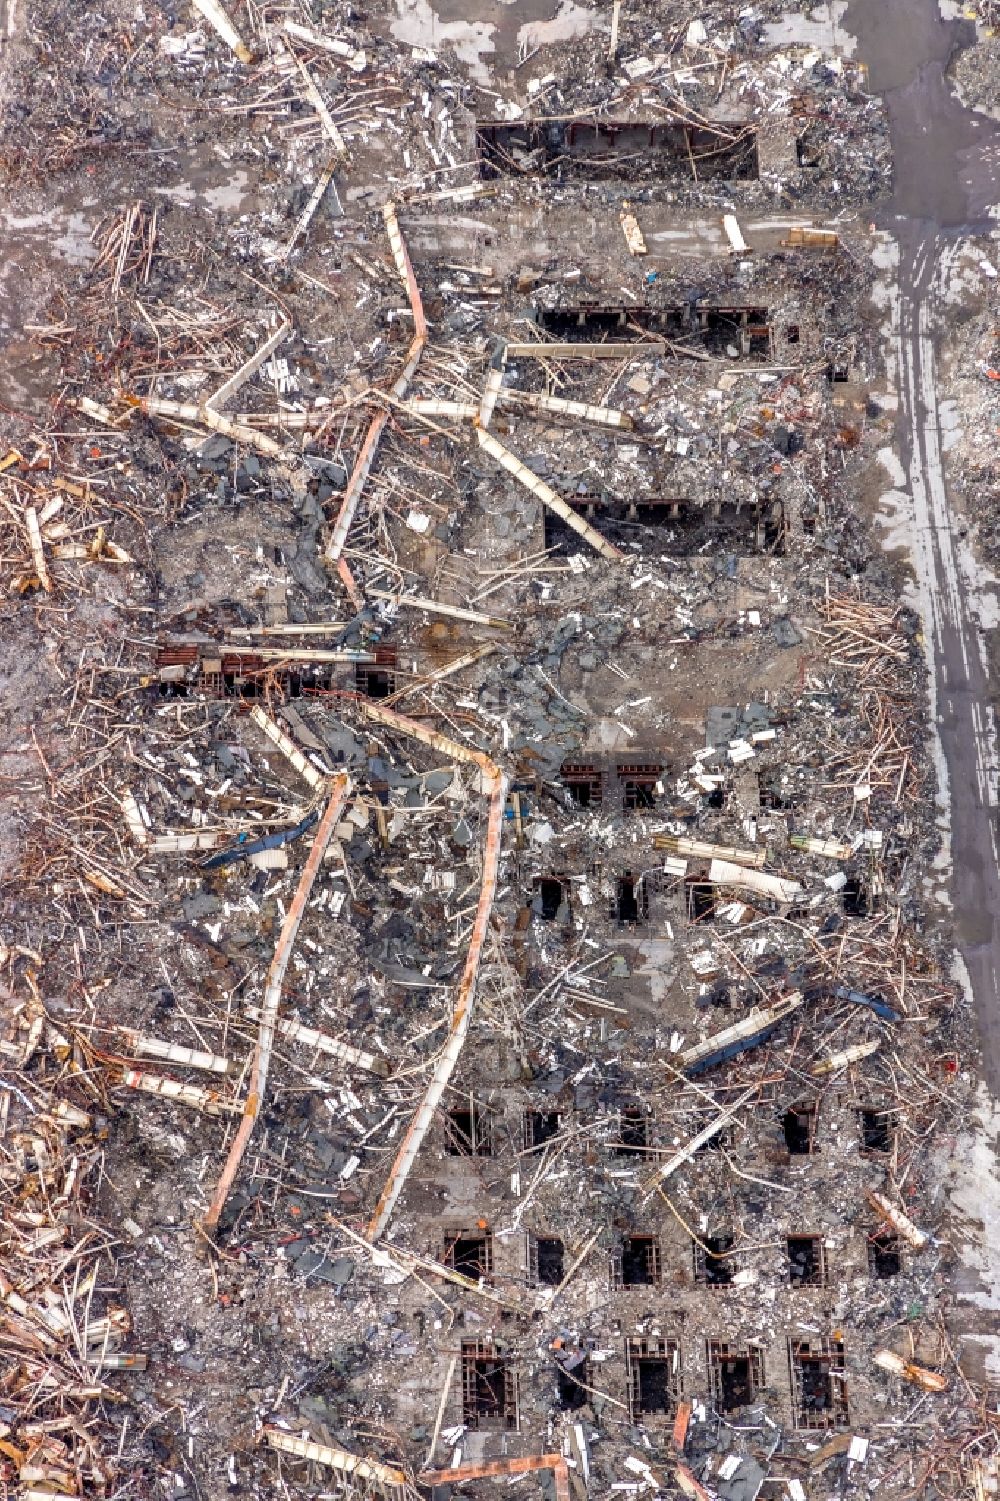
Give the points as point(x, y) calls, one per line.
point(137, 105)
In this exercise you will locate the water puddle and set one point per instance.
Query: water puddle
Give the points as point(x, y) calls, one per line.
point(34, 245)
point(571, 20)
point(821, 29)
point(945, 161)
point(945, 157)
point(419, 26)
point(201, 186)
point(485, 34)
point(56, 232)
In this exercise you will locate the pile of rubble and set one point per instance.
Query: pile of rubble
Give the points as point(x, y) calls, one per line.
point(470, 994)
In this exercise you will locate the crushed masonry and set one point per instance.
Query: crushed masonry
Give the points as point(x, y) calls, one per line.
point(496, 992)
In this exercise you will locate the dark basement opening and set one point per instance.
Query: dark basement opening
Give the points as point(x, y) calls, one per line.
point(540, 1126)
point(885, 1257)
point(701, 899)
point(684, 528)
point(855, 899)
point(633, 1132)
point(629, 149)
point(806, 1261)
point(550, 1257)
point(573, 1395)
point(472, 1255)
point(716, 330)
point(639, 787)
point(819, 1393)
point(489, 1387)
point(652, 1374)
point(377, 679)
point(640, 1261)
point(814, 1386)
point(713, 1265)
point(654, 1386)
point(799, 1127)
point(735, 1376)
point(583, 783)
point(551, 892)
point(632, 905)
point(468, 1132)
point(721, 1141)
point(773, 793)
point(877, 1127)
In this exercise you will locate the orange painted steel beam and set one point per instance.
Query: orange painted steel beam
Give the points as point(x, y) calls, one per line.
point(690, 1486)
point(339, 789)
point(347, 579)
point(681, 1422)
point(496, 785)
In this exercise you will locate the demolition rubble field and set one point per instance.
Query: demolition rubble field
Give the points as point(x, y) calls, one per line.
point(478, 1007)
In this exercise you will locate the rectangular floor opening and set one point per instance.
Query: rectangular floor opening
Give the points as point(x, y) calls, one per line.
point(798, 1126)
point(468, 1132)
point(638, 1262)
point(720, 331)
point(377, 679)
point(877, 1128)
point(819, 1393)
point(806, 1261)
point(489, 1387)
point(540, 1126)
point(714, 1266)
point(547, 1257)
point(640, 783)
point(630, 149)
point(633, 1131)
point(470, 1253)
point(735, 1375)
point(701, 899)
point(674, 526)
point(631, 904)
point(652, 1373)
point(583, 782)
point(572, 1380)
point(549, 895)
point(885, 1258)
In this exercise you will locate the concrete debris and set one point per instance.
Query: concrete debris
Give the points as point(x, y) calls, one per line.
point(489, 973)
point(387, 1481)
point(513, 465)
